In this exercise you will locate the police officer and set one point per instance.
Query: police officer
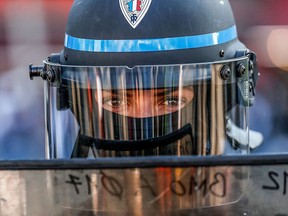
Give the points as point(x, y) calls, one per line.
point(148, 78)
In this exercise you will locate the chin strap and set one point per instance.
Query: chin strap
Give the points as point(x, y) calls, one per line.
point(240, 136)
point(85, 144)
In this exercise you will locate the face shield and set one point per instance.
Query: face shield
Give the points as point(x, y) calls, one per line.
point(189, 109)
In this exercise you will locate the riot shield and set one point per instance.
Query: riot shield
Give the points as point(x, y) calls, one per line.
point(220, 185)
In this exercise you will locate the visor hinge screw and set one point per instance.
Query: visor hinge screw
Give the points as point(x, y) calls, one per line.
point(50, 75)
point(241, 69)
point(225, 72)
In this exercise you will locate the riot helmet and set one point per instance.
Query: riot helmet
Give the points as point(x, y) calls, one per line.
point(148, 78)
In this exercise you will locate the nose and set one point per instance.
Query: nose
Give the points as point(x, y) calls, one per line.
point(144, 110)
point(143, 105)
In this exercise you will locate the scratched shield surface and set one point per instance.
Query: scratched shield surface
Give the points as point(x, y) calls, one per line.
point(192, 190)
point(142, 190)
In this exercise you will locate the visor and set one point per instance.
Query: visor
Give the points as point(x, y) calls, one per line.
point(147, 110)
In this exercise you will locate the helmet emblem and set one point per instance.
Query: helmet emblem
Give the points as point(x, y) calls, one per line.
point(134, 10)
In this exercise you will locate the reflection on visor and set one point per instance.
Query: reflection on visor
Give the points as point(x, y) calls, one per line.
point(152, 77)
point(144, 110)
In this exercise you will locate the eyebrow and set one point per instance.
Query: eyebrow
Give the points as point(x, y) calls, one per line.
point(117, 92)
point(128, 91)
point(165, 92)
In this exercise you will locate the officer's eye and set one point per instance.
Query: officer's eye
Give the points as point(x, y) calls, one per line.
point(114, 101)
point(174, 101)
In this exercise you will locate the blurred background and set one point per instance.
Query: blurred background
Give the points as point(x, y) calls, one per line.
point(30, 30)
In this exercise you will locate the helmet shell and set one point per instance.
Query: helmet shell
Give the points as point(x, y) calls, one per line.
point(103, 20)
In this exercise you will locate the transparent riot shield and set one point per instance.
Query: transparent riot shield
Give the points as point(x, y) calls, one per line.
point(220, 185)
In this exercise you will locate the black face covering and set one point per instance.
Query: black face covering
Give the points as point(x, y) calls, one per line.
point(161, 135)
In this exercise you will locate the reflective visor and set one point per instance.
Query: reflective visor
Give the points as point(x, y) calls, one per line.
point(158, 110)
point(146, 77)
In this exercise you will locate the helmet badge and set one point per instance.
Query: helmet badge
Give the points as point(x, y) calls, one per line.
point(134, 10)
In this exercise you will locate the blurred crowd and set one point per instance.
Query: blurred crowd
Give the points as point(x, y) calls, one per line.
point(30, 30)
point(263, 27)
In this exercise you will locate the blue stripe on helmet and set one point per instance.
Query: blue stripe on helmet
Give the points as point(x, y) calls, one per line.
point(151, 45)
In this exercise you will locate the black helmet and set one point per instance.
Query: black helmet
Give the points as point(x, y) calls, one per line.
point(149, 77)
